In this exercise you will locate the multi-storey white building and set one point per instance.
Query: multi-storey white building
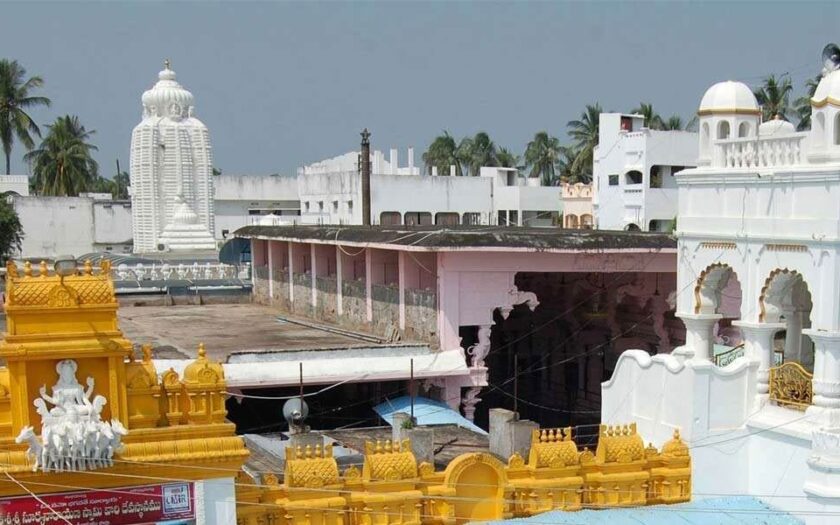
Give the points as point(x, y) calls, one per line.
point(758, 223)
point(633, 173)
point(171, 172)
point(330, 193)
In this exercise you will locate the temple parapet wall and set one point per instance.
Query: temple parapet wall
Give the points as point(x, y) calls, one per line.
point(392, 488)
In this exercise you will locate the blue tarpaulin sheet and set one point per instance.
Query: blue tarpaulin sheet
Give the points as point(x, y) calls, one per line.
point(426, 412)
point(734, 510)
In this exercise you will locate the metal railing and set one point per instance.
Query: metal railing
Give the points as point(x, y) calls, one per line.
point(791, 386)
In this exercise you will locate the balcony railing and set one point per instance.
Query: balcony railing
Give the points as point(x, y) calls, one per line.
point(764, 152)
point(791, 386)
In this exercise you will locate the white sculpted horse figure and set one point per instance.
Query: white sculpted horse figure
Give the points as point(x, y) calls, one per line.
point(73, 435)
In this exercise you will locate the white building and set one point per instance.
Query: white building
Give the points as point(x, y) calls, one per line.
point(243, 199)
point(89, 223)
point(758, 223)
point(330, 193)
point(171, 172)
point(14, 184)
point(633, 173)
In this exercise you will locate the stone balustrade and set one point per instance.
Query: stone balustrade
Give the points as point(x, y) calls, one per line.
point(185, 272)
point(764, 152)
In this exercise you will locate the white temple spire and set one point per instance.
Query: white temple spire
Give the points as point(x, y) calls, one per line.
point(171, 172)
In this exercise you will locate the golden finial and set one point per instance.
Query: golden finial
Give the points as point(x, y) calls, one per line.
point(88, 267)
point(147, 353)
point(42, 269)
point(202, 353)
point(27, 269)
point(11, 268)
point(308, 451)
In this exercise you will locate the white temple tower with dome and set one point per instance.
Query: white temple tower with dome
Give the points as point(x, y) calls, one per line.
point(171, 172)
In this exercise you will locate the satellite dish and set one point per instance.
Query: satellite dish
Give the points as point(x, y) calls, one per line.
point(831, 58)
point(295, 411)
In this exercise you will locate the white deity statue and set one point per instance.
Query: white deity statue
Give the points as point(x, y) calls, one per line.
point(68, 397)
point(73, 435)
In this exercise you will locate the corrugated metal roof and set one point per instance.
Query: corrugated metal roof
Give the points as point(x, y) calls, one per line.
point(735, 510)
point(426, 412)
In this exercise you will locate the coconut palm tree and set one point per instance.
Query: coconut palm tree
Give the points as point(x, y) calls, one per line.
point(584, 133)
point(674, 123)
point(507, 159)
point(802, 105)
point(774, 97)
point(565, 164)
point(541, 157)
point(481, 151)
point(652, 118)
point(63, 164)
point(463, 154)
point(15, 100)
point(441, 155)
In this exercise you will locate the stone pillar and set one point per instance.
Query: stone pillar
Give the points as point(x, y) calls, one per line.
point(368, 285)
point(826, 382)
point(508, 434)
point(313, 277)
point(793, 334)
point(401, 281)
point(758, 346)
point(339, 280)
point(699, 336)
point(291, 276)
point(270, 273)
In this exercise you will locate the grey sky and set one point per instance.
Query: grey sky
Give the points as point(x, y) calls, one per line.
point(283, 84)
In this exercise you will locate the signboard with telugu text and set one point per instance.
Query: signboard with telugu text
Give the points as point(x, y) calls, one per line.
point(119, 506)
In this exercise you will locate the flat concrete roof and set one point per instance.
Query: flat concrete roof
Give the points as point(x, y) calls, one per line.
point(225, 329)
point(471, 238)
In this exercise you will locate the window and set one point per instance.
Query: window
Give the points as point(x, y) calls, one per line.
point(349, 205)
point(837, 130)
point(447, 218)
point(471, 218)
point(321, 206)
point(390, 218)
point(723, 130)
point(744, 129)
point(415, 218)
point(254, 212)
point(306, 206)
point(613, 180)
point(626, 123)
point(633, 177)
point(335, 206)
point(656, 176)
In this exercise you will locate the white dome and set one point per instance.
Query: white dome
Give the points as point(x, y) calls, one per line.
point(729, 97)
point(828, 90)
point(167, 98)
point(775, 127)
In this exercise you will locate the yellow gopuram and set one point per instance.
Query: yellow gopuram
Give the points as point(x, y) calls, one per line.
point(392, 489)
point(77, 410)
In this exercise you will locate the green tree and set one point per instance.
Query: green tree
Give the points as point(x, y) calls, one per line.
point(541, 157)
point(802, 105)
point(15, 100)
point(507, 159)
point(584, 134)
point(441, 154)
point(11, 231)
point(652, 118)
point(774, 97)
point(63, 163)
point(565, 165)
point(480, 152)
